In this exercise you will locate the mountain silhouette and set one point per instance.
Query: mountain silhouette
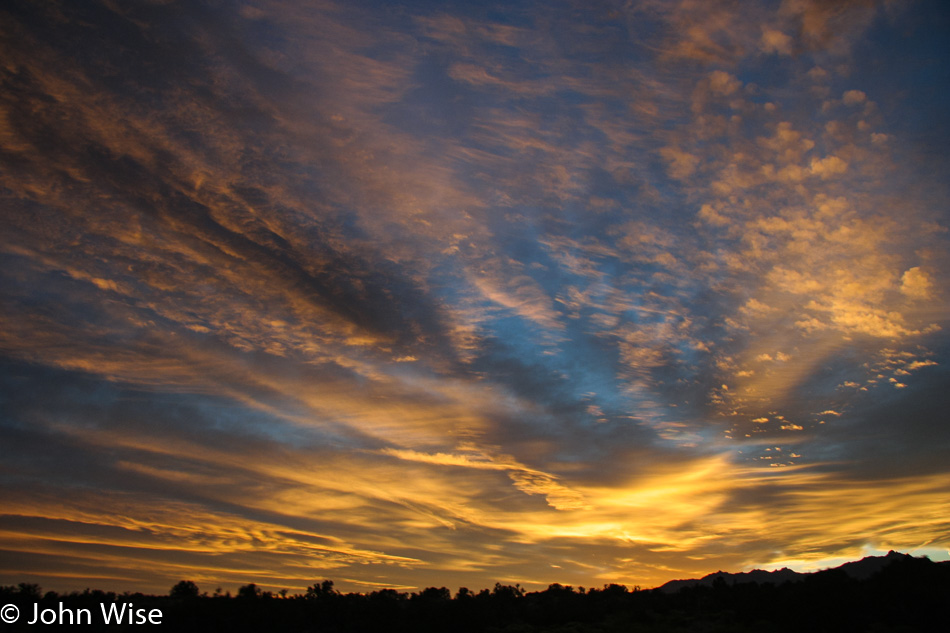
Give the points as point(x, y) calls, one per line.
point(857, 570)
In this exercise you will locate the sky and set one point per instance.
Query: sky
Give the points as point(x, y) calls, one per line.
point(410, 294)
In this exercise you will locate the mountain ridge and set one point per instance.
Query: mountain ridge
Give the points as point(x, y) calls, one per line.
point(856, 570)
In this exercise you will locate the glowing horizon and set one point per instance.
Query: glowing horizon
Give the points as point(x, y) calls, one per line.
point(442, 294)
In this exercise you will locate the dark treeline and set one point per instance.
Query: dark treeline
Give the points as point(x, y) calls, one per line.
point(907, 595)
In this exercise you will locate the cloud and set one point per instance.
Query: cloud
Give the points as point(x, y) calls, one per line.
point(832, 27)
point(774, 41)
point(916, 283)
point(518, 292)
point(681, 164)
point(722, 83)
point(423, 297)
point(828, 166)
point(853, 97)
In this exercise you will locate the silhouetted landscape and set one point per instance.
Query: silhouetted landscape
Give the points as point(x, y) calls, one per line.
point(897, 592)
point(410, 295)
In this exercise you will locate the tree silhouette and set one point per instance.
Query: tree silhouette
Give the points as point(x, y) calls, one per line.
point(184, 589)
point(320, 591)
point(249, 592)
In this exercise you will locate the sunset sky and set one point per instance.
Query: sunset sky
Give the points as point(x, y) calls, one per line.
point(409, 294)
